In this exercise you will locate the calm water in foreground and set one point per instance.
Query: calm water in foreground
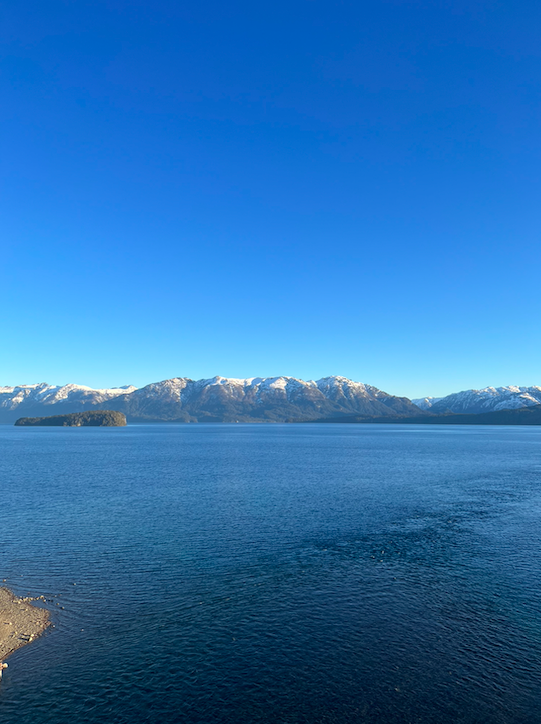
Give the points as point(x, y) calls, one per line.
point(275, 573)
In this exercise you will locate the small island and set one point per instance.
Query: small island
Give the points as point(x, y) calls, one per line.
point(95, 418)
point(20, 623)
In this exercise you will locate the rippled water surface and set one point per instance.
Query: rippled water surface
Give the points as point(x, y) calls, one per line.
point(275, 573)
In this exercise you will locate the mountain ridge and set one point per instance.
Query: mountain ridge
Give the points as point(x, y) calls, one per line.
point(257, 399)
point(217, 399)
point(254, 399)
point(488, 399)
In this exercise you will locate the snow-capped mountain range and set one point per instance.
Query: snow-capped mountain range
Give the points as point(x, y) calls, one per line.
point(220, 399)
point(256, 399)
point(44, 399)
point(489, 399)
point(259, 399)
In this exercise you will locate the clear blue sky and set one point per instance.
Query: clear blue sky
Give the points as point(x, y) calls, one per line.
point(249, 189)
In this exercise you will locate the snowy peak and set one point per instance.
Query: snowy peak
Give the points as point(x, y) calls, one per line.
point(337, 387)
point(489, 399)
point(425, 403)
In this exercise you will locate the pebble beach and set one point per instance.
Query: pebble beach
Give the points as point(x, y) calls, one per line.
point(20, 622)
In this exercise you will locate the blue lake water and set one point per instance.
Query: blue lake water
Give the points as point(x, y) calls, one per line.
point(277, 574)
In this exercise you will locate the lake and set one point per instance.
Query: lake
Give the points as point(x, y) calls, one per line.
point(277, 574)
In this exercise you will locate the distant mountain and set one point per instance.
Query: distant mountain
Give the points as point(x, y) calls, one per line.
point(490, 399)
point(257, 399)
point(43, 399)
point(220, 399)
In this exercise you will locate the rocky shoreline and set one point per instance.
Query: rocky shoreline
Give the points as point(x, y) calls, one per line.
point(20, 623)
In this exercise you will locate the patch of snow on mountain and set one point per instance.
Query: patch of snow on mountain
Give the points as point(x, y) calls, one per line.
point(172, 388)
point(425, 403)
point(335, 386)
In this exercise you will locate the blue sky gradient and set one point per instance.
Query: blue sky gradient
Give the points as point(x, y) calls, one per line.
point(302, 188)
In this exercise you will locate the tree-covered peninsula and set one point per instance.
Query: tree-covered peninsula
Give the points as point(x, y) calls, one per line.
point(95, 418)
